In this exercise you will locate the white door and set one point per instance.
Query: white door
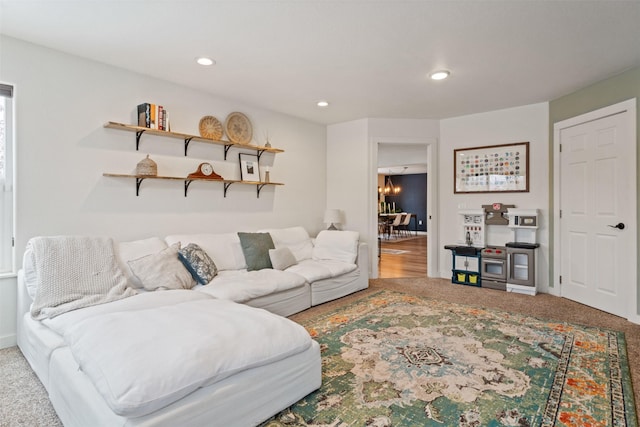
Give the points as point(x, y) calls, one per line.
point(598, 210)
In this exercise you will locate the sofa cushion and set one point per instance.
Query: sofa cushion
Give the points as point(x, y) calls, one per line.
point(224, 249)
point(313, 270)
point(282, 258)
point(336, 245)
point(295, 238)
point(255, 247)
point(127, 251)
point(162, 270)
point(242, 286)
point(199, 264)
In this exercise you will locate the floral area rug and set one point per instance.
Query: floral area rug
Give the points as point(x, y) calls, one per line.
point(392, 359)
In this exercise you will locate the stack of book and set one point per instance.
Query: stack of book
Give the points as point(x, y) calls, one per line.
point(153, 116)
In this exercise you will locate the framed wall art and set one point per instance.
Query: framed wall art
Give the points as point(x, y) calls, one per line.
point(249, 168)
point(491, 169)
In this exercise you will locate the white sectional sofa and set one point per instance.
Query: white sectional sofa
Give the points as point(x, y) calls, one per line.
point(111, 353)
point(328, 267)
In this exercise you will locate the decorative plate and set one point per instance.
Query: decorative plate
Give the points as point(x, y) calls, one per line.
point(238, 128)
point(210, 127)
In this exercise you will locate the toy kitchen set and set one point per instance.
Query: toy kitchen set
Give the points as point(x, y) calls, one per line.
point(511, 267)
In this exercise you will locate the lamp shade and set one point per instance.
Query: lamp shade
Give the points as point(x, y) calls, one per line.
point(332, 217)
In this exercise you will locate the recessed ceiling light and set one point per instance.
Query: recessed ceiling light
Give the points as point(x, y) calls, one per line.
point(439, 75)
point(203, 60)
point(322, 104)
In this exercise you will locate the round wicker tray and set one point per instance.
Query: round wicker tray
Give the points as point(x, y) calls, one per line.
point(238, 128)
point(210, 127)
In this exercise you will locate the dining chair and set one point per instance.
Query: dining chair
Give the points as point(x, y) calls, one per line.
point(404, 225)
point(383, 226)
point(393, 227)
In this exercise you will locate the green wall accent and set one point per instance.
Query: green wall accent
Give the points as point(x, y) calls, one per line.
point(607, 92)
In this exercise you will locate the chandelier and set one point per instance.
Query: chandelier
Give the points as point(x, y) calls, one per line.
point(389, 188)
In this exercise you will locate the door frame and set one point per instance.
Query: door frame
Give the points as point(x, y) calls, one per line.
point(628, 106)
point(431, 145)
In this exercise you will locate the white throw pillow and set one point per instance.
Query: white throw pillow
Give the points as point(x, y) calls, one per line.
point(282, 258)
point(295, 238)
point(336, 245)
point(162, 270)
point(128, 251)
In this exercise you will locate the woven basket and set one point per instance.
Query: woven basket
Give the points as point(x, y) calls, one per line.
point(147, 167)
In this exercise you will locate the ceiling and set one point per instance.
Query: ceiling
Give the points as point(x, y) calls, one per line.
point(402, 159)
point(367, 58)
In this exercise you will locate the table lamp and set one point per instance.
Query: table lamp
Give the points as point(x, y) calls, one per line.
point(333, 217)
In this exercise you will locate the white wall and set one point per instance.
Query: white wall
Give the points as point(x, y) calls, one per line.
point(8, 297)
point(347, 173)
point(352, 179)
point(527, 123)
point(62, 103)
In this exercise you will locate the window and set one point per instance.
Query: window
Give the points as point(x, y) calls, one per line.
point(6, 178)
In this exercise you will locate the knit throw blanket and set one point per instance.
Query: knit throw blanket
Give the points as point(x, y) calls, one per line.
point(75, 272)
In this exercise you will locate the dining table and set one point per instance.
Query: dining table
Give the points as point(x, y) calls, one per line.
point(388, 218)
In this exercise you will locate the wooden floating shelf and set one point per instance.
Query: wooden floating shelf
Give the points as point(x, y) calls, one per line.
point(187, 181)
point(187, 138)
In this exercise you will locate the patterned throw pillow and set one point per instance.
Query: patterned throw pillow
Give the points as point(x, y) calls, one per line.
point(199, 264)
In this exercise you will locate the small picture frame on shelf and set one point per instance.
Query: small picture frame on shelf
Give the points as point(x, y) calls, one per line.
point(249, 168)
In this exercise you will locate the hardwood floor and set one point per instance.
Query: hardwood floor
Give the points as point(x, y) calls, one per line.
point(412, 263)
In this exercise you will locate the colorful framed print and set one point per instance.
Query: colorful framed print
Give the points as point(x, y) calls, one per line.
point(491, 169)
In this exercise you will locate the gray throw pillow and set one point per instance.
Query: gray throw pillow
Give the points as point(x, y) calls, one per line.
point(255, 247)
point(199, 264)
point(282, 258)
point(162, 270)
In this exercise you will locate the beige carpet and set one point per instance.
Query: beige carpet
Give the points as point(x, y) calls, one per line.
point(23, 399)
point(24, 402)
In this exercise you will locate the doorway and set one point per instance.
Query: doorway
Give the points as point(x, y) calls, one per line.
point(408, 158)
point(404, 258)
point(595, 197)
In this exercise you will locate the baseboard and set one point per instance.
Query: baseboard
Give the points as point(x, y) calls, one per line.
point(8, 341)
point(634, 318)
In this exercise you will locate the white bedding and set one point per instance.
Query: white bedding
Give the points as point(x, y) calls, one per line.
point(166, 352)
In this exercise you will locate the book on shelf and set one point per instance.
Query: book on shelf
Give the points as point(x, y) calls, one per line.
point(144, 115)
point(152, 116)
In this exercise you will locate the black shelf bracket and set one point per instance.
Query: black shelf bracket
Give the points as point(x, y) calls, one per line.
point(138, 135)
point(138, 182)
point(259, 152)
point(226, 149)
point(186, 144)
point(187, 183)
point(258, 188)
point(226, 187)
